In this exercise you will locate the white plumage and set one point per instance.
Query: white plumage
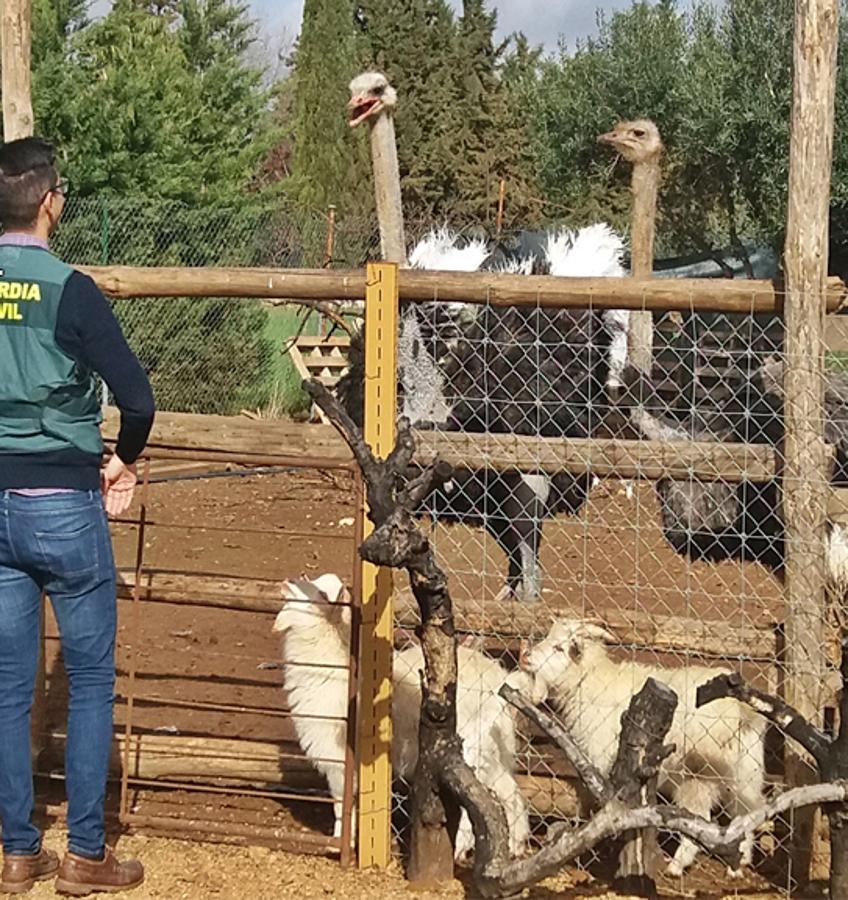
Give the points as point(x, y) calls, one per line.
point(591, 252)
point(438, 250)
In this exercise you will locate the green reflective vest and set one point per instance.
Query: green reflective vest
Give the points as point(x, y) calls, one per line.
point(47, 401)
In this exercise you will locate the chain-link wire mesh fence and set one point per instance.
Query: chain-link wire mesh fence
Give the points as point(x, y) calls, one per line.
point(213, 355)
point(593, 584)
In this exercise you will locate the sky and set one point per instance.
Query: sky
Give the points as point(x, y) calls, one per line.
point(543, 21)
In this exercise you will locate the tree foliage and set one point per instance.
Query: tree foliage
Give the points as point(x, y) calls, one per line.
point(717, 79)
point(154, 101)
point(459, 130)
point(330, 162)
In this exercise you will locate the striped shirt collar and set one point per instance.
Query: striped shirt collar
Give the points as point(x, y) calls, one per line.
point(22, 239)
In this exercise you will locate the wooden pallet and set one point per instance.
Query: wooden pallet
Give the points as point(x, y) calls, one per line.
point(324, 358)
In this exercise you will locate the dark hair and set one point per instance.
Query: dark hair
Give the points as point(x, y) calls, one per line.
point(27, 173)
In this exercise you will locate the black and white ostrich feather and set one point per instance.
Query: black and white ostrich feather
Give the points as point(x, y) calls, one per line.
point(518, 370)
point(720, 520)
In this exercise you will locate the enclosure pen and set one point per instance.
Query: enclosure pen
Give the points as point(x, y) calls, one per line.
point(160, 768)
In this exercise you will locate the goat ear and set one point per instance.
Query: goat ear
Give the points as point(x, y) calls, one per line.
point(597, 631)
point(290, 591)
point(331, 586)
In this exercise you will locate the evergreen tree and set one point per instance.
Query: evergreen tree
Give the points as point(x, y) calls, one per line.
point(123, 131)
point(328, 158)
point(52, 22)
point(412, 42)
point(516, 161)
point(155, 101)
point(232, 134)
point(492, 128)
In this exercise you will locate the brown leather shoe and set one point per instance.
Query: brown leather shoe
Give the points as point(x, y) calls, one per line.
point(21, 872)
point(79, 875)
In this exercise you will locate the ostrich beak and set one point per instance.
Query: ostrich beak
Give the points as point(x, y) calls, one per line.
point(361, 108)
point(609, 138)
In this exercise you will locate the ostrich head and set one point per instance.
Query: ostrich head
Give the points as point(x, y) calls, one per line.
point(370, 95)
point(636, 141)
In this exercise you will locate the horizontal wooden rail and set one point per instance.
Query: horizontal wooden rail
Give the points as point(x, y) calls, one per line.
point(179, 435)
point(496, 288)
point(509, 620)
point(703, 460)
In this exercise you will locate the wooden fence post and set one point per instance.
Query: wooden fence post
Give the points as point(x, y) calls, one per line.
point(16, 43)
point(500, 216)
point(639, 858)
point(806, 472)
point(376, 642)
point(16, 87)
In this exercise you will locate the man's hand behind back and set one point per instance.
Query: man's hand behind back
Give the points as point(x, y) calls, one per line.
point(117, 481)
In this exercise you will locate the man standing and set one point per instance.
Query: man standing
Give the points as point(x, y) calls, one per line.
point(56, 332)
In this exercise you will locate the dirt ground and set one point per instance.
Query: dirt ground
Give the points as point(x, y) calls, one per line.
point(183, 870)
point(612, 557)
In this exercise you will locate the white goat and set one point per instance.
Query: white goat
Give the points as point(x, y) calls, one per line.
point(719, 755)
point(316, 639)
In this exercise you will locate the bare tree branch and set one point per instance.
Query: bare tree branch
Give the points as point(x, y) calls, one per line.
point(326, 309)
point(789, 720)
point(598, 786)
point(615, 819)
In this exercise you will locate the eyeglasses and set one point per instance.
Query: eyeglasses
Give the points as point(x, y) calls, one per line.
point(63, 187)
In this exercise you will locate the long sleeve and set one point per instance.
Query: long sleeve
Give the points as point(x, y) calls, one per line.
point(87, 330)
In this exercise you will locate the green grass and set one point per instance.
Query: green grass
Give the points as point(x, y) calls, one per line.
point(836, 361)
point(282, 395)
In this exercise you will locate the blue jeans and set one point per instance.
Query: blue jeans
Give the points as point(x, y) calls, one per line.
point(58, 544)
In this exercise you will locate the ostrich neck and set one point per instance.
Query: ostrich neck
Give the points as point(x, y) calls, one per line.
point(640, 329)
point(387, 189)
point(644, 184)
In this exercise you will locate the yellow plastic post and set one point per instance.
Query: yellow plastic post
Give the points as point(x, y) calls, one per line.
point(376, 644)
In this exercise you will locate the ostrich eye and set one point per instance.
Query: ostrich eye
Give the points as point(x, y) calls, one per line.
point(379, 90)
point(639, 132)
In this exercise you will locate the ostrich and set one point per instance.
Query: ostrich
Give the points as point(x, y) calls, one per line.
point(522, 371)
point(716, 520)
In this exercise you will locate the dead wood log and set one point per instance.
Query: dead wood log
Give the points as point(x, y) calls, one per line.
point(644, 725)
point(442, 778)
point(830, 754)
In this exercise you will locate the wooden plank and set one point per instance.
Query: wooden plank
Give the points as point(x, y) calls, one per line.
point(187, 589)
point(495, 288)
point(627, 459)
point(806, 469)
point(307, 341)
point(155, 756)
point(714, 639)
point(505, 622)
point(238, 434)
point(374, 738)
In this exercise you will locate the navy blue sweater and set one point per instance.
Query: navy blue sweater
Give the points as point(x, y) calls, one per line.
point(88, 332)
